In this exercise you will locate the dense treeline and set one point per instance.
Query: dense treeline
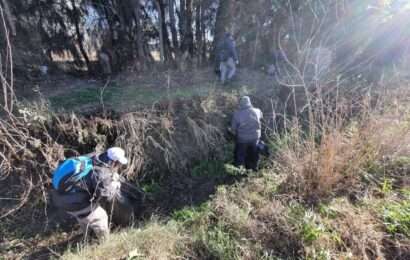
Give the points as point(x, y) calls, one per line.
point(140, 33)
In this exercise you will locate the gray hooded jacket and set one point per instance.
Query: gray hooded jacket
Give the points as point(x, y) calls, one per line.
point(246, 122)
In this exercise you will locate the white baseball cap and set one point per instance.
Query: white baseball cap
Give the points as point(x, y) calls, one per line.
point(117, 154)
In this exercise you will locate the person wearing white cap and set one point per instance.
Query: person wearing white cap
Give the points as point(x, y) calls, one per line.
point(112, 157)
point(81, 183)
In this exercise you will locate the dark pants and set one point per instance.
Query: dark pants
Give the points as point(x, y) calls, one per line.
point(246, 154)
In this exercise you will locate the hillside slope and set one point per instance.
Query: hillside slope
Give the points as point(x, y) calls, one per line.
point(339, 189)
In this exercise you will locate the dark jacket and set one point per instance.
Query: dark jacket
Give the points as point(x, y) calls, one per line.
point(227, 49)
point(96, 185)
point(246, 123)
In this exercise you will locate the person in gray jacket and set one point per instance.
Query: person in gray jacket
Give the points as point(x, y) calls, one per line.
point(246, 126)
point(227, 58)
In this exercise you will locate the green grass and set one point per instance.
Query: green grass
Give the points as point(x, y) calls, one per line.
point(396, 217)
point(151, 187)
point(221, 244)
point(311, 230)
point(80, 97)
point(216, 169)
point(327, 211)
point(189, 215)
point(123, 97)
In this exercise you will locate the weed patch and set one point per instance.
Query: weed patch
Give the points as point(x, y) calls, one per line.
point(396, 217)
point(217, 169)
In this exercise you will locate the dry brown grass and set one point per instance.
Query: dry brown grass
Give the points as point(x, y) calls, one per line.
point(337, 162)
point(357, 233)
point(153, 242)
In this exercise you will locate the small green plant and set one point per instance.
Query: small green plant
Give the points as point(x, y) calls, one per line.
point(396, 217)
point(221, 244)
point(387, 186)
point(328, 212)
point(189, 215)
point(307, 223)
point(310, 229)
point(405, 192)
point(152, 187)
point(209, 168)
point(233, 170)
point(216, 169)
point(82, 96)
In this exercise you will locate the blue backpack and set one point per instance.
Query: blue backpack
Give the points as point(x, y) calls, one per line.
point(70, 172)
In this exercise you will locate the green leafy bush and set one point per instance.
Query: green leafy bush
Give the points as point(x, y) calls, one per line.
point(188, 215)
point(217, 168)
point(221, 244)
point(397, 217)
point(310, 229)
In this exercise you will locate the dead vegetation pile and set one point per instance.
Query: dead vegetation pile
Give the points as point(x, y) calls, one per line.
point(160, 143)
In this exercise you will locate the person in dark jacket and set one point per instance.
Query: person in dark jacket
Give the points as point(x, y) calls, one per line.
point(246, 126)
point(227, 58)
point(83, 200)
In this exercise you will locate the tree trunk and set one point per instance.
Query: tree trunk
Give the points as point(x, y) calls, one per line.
point(223, 22)
point(139, 32)
point(161, 34)
point(198, 28)
point(174, 34)
point(203, 33)
point(181, 18)
point(80, 37)
point(198, 31)
point(188, 37)
point(165, 36)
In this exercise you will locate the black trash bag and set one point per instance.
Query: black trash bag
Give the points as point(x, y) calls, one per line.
point(120, 211)
point(263, 148)
point(124, 203)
